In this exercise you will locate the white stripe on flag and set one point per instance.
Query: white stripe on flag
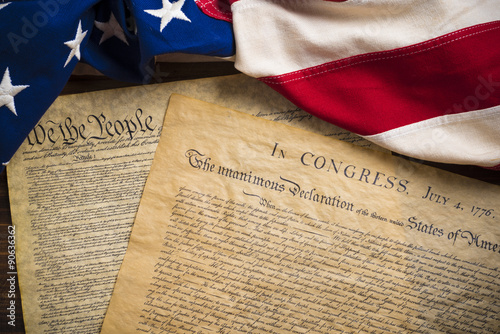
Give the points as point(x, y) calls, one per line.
point(276, 37)
point(470, 138)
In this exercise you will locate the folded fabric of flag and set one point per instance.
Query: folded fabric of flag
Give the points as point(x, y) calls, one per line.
point(419, 77)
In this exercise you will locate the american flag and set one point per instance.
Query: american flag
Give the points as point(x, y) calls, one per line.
point(419, 77)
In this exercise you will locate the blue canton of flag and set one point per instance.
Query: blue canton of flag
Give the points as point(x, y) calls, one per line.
point(41, 42)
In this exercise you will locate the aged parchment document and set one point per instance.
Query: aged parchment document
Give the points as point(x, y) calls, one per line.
point(76, 183)
point(249, 226)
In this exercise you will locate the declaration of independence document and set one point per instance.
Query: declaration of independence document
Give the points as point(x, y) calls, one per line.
point(249, 226)
point(76, 182)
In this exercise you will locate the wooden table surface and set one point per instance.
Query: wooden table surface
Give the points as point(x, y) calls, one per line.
point(86, 84)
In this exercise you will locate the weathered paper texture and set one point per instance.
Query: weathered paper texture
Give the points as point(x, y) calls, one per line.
point(249, 226)
point(76, 182)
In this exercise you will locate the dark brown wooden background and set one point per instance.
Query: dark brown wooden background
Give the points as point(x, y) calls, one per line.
point(173, 71)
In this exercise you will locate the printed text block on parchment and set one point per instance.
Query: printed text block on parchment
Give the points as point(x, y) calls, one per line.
point(246, 225)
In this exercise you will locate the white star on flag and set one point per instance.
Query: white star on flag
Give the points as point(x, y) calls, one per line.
point(4, 5)
point(168, 12)
point(74, 44)
point(8, 91)
point(110, 29)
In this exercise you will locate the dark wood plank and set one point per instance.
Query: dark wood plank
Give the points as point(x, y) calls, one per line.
point(5, 277)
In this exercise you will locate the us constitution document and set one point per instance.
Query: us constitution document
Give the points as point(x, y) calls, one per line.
point(249, 226)
point(76, 182)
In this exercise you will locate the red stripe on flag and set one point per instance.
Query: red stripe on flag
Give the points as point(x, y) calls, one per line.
point(218, 9)
point(375, 92)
